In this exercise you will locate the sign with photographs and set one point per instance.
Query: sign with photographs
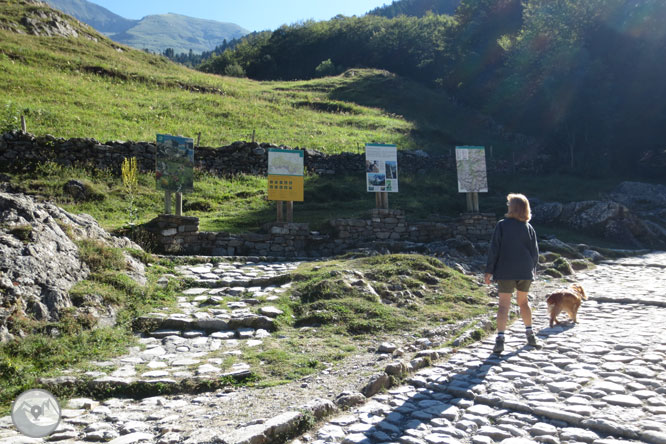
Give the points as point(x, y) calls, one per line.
point(471, 165)
point(381, 168)
point(174, 163)
point(285, 175)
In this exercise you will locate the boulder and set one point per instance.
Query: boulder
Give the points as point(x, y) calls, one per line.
point(39, 259)
point(607, 219)
point(639, 196)
point(547, 212)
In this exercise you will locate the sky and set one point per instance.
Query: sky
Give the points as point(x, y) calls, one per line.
point(253, 15)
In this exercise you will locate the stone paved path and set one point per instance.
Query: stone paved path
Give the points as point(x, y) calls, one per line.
point(601, 381)
point(229, 310)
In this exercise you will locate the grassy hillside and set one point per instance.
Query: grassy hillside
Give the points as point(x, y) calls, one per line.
point(75, 87)
point(78, 87)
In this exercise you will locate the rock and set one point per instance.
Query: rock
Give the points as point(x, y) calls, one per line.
point(42, 264)
point(462, 245)
point(347, 399)
point(623, 400)
point(387, 347)
point(251, 320)
point(608, 219)
point(320, 408)
point(563, 266)
point(80, 191)
point(557, 246)
point(376, 384)
point(639, 196)
point(270, 311)
point(547, 212)
point(132, 438)
point(397, 369)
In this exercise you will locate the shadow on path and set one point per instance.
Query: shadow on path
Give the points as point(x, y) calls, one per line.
point(452, 405)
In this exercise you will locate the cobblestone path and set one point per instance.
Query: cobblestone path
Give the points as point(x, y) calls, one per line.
point(601, 381)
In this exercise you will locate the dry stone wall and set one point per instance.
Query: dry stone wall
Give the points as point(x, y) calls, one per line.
point(180, 235)
point(173, 234)
point(21, 150)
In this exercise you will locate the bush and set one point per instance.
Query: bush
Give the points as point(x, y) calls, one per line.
point(234, 70)
point(326, 68)
point(10, 118)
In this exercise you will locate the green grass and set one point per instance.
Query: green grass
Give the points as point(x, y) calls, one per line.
point(48, 348)
point(297, 355)
point(384, 293)
point(76, 87)
point(239, 203)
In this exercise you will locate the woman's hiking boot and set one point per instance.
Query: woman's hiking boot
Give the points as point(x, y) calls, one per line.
point(533, 341)
point(499, 345)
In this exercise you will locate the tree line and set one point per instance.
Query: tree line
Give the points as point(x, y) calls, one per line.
point(584, 76)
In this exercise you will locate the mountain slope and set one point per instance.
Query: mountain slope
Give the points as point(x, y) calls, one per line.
point(153, 32)
point(94, 15)
point(182, 33)
point(94, 87)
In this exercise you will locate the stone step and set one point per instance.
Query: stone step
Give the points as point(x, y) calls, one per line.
point(155, 323)
point(147, 385)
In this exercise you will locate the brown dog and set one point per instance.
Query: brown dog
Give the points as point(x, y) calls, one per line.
point(568, 300)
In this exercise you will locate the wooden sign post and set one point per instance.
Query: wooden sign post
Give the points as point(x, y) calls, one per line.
point(179, 204)
point(472, 175)
point(381, 170)
point(280, 210)
point(381, 200)
point(174, 169)
point(472, 202)
point(285, 181)
point(167, 202)
point(290, 211)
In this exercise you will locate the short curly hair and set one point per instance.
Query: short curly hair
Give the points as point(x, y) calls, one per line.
point(519, 207)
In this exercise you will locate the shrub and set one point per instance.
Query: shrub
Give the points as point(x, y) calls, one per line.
point(234, 70)
point(10, 118)
point(326, 68)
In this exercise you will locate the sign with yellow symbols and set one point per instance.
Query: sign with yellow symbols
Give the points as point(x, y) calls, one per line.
point(285, 175)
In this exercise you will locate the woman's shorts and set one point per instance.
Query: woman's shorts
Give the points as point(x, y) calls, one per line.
point(508, 286)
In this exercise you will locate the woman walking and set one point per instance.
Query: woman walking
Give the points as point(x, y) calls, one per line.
point(512, 261)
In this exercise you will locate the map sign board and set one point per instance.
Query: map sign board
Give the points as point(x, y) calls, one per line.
point(471, 164)
point(174, 163)
point(381, 168)
point(285, 175)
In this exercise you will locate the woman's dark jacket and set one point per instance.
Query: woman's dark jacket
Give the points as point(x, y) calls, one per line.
point(514, 252)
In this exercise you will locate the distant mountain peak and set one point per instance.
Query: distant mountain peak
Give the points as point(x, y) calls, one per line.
point(153, 32)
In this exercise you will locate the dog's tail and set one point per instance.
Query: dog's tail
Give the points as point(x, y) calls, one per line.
point(580, 291)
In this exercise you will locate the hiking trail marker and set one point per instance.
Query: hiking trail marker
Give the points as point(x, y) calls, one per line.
point(472, 174)
point(381, 171)
point(285, 180)
point(174, 168)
